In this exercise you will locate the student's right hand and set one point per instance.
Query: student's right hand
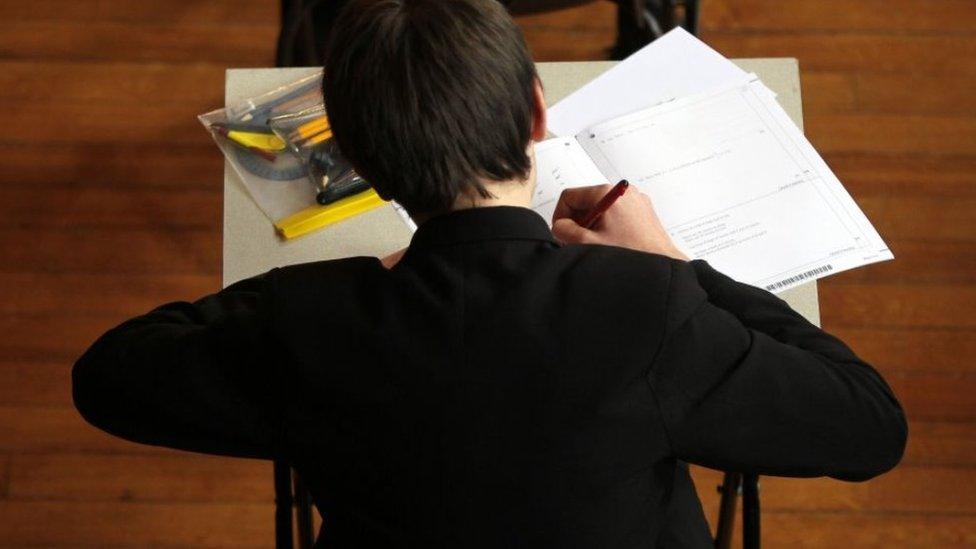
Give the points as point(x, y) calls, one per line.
point(631, 221)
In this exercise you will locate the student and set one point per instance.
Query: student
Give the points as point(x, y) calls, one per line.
point(501, 385)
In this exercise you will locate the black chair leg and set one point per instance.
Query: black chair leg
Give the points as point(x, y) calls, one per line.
point(632, 32)
point(726, 510)
point(283, 505)
point(639, 22)
point(303, 511)
point(750, 511)
point(691, 16)
point(293, 504)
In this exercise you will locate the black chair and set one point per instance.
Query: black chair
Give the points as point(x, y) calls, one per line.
point(305, 24)
point(293, 508)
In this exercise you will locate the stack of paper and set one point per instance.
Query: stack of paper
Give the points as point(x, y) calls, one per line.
point(732, 178)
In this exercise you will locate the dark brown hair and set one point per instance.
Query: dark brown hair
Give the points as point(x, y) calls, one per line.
point(427, 96)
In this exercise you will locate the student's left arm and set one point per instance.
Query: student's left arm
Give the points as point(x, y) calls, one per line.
point(194, 376)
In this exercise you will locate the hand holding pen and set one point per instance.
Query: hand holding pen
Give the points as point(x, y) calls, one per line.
point(612, 215)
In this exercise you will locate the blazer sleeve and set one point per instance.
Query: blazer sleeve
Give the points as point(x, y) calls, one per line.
point(193, 376)
point(745, 383)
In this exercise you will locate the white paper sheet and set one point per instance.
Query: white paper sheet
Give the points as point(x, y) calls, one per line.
point(675, 65)
point(734, 181)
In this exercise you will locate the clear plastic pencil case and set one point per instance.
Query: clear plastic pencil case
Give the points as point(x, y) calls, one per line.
point(280, 145)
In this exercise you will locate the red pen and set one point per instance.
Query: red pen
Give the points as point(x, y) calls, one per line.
point(604, 204)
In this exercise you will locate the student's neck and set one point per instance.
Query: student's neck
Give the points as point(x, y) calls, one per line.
point(516, 199)
point(507, 193)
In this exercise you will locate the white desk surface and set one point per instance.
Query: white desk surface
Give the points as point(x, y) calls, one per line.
point(251, 246)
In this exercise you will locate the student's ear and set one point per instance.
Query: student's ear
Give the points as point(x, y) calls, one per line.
point(539, 129)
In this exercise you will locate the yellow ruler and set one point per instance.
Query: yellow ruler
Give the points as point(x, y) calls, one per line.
point(316, 217)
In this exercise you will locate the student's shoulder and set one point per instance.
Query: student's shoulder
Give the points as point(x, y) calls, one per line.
point(614, 260)
point(639, 273)
point(613, 270)
point(339, 266)
point(327, 275)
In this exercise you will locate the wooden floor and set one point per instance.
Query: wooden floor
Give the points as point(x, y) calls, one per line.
point(110, 203)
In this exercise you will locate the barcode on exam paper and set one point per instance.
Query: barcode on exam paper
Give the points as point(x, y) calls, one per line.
point(799, 277)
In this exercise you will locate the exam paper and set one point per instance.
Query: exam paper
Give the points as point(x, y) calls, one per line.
point(735, 182)
point(675, 65)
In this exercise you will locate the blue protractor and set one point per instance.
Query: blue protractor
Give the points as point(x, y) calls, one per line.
point(285, 167)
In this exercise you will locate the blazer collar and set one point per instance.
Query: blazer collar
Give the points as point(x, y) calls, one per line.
point(479, 224)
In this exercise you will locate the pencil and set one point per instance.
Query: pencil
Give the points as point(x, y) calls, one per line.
point(310, 128)
point(604, 204)
point(318, 138)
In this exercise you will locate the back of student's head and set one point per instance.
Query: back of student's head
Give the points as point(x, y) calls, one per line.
point(428, 97)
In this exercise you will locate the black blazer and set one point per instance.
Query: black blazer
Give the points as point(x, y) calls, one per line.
point(497, 389)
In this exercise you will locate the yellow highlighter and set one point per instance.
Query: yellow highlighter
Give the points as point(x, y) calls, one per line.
point(259, 140)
